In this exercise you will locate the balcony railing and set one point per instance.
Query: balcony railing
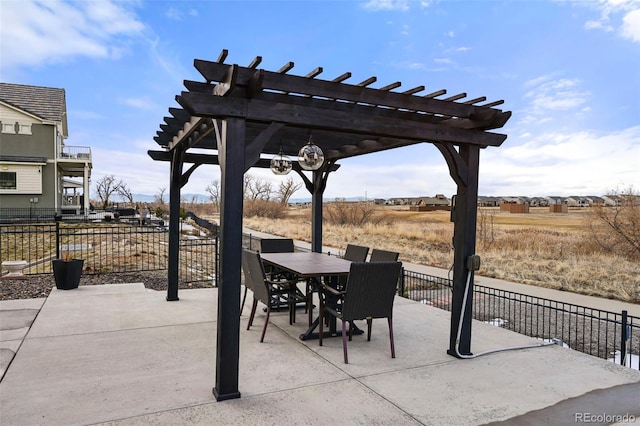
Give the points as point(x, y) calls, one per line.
point(81, 153)
point(71, 200)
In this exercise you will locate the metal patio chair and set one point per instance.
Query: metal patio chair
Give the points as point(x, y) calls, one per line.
point(378, 255)
point(277, 245)
point(266, 290)
point(361, 300)
point(356, 253)
point(282, 245)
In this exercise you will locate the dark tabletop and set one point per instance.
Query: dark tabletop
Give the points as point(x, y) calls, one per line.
point(308, 265)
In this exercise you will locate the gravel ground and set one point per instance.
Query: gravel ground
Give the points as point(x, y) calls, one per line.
point(32, 286)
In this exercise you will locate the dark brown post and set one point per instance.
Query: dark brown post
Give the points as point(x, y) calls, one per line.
point(232, 165)
point(177, 158)
point(316, 211)
point(464, 240)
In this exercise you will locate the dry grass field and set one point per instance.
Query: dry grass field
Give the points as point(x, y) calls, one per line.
point(545, 249)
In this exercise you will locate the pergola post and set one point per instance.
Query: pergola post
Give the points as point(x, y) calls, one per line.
point(232, 166)
point(177, 158)
point(316, 211)
point(464, 241)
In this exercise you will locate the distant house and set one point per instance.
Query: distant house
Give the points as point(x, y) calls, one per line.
point(439, 202)
point(555, 200)
point(578, 201)
point(37, 169)
point(538, 202)
point(484, 201)
point(397, 201)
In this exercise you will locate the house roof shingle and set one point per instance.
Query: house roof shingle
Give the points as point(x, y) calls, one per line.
point(44, 102)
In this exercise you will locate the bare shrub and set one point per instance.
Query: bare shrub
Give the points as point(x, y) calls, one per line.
point(549, 251)
point(264, 208)
point(617, 228)
point(353, 214)
point(486, 227)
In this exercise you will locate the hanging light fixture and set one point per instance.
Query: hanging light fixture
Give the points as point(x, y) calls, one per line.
point(310, 156)
point(281, 164)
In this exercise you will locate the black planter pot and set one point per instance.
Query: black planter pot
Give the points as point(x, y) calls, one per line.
point(67, 273)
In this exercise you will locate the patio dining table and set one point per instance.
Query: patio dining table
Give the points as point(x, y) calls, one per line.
point(312, 266)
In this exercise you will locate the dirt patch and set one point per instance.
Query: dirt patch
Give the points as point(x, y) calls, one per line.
point(34, 286)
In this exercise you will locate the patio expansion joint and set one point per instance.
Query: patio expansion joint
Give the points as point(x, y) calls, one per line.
point(121, 330)
point(22, 340)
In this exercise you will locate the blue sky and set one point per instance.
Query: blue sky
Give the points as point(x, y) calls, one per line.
point(569, 72)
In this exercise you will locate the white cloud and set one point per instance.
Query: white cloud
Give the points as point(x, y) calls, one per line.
point(173, 13)
point(375, 5)
point(548, 94)
point(581, 163)
point(34, 32)
point(623, 15)
point(631, 26)
point(139, 103)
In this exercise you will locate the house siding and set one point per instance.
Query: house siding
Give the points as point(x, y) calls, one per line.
point(28, 178)
point(40, 143)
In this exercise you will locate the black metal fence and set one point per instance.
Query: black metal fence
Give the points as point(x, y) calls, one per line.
point(109, 248)
point(608, 335)
point(26, 214)
point(117, 247)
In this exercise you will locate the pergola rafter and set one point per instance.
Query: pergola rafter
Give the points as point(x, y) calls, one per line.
point(243, 114)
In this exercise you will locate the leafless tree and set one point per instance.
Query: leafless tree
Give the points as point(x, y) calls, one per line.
point(617, 228)
point(213, 189)
point(287, 188)
point(159, 198)
point(106, 187)
point(256, 188)
point(124, 191)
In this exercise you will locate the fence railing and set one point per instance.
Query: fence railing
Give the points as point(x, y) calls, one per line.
point(120, 247)
point(27, 214)
point(108, 248)
point(609, 335)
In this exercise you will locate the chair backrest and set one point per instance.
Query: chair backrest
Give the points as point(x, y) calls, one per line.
point(277, 245)
point(255, 273)
point(371, 288)
point(356, 253)
point(248, 281)
point(378, 255)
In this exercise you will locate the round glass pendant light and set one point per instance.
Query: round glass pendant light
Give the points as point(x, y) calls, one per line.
point(281, 164)
point(310, 156)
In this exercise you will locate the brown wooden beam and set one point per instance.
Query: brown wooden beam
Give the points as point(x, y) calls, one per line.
point(337, 90)
point(316, 118)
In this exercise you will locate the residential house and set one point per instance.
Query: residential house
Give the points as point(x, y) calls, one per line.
point(484, 201)
point(37, 169)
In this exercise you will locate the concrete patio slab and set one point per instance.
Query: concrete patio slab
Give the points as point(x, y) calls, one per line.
point(123, 355)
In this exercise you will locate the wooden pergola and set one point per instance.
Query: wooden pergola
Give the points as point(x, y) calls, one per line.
point(243, 113)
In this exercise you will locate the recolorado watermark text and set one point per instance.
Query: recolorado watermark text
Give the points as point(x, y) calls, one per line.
point(604, 418)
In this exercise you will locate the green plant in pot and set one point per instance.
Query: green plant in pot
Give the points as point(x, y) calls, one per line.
point(67, 271)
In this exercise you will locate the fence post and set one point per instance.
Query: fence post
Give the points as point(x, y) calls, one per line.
point(624, 337)
point(57, 239)
point(401, 289)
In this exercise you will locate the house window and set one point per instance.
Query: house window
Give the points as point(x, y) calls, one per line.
point(8, 128)
point(8, 180)
point(25, 129)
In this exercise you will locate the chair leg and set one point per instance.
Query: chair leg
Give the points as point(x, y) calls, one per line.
point(320, 319)
point(344, 341)
point(253, 312)
point(369, 321)
point(393, 347)
point(243, 299)
point(266, 322)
